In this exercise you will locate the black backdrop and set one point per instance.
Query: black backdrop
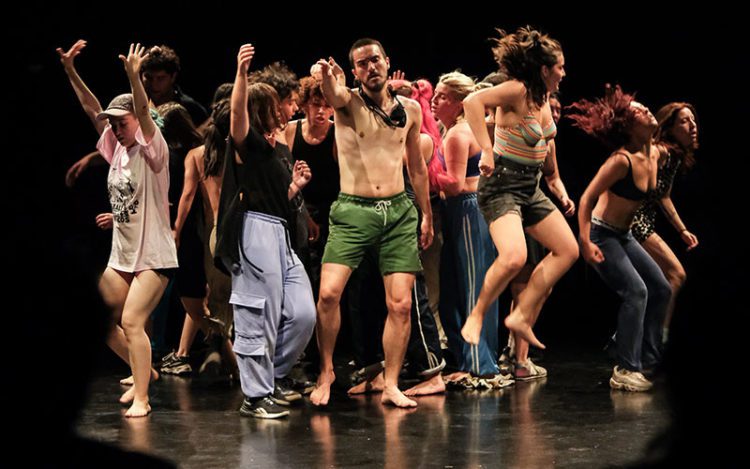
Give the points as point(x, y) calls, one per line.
point(662, 57)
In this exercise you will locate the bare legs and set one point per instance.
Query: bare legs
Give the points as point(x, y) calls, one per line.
point(333, 278)
point(673, 270)
point(507, 233)
point(398, 287)
point(132, 297)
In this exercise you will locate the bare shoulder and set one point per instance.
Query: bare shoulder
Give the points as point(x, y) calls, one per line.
point(619, 159)
point(413, 110)
point(410, 105)
point(196, 153)
point(510, 95)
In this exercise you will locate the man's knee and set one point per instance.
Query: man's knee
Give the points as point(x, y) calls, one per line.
point(399, 307)
point(329, 296)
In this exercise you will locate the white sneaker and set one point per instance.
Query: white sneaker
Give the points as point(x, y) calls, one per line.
point(627, 380)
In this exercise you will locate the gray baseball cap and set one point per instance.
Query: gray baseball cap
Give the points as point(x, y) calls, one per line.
point(120, 106)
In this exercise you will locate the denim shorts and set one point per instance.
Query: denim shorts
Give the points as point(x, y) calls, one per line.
point(513, 187)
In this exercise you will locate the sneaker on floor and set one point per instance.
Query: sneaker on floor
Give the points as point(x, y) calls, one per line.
point(171, 364)
point(627, 380)
point(283, 394)
point(262, 408)
point(528, 371)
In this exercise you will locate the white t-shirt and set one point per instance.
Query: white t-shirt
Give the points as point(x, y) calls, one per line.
point(138, 183)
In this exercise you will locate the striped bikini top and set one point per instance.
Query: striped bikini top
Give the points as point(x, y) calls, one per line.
point(525, 143)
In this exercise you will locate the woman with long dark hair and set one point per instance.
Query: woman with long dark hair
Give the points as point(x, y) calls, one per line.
point(677, 134)
point(509, 193)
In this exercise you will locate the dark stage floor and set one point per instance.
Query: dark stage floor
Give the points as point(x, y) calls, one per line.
point(570, 419)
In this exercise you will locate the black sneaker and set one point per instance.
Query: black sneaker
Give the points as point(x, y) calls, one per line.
point(283, 395)
point(262, 408)
point(174, 365)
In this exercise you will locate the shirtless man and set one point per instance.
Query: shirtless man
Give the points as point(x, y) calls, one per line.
point(372, 130)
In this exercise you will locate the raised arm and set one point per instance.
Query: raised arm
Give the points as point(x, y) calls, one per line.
point(88, 101)
point(554, 181)
point(418, 172)
point(333, 82)
point(614, 169)
point(132, 63)
point(239, 120)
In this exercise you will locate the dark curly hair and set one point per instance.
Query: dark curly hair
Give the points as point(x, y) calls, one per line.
point(279, 76)
point(608, 119)
point(521, 55)
point(161, 58)
point(309, 90)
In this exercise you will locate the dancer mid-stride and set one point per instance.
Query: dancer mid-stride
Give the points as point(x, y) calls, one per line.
point(509, 194)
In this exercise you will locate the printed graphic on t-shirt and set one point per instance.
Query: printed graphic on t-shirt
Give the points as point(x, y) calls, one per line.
point(122, 198)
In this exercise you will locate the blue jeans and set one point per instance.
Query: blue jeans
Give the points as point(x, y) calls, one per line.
point(644, 291)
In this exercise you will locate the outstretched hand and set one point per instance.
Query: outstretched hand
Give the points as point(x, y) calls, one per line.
point(398, 75)
point(66, 58)
point(245, 57)
point(136, 54)
point(324, 68)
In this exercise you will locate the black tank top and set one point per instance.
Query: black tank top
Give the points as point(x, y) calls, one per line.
point(323, 188)
point(626, 187)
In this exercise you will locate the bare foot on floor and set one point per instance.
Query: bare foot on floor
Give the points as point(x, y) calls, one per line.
point(138, 409)
point(515, 323)
point(393, 396)
point(456, 376)
point(375, 385)
point(129, 380)
point(322, 392)
point(128, 397)
point(472, 330)
point(434, 385)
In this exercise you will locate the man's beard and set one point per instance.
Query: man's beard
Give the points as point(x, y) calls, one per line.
point(376, 88)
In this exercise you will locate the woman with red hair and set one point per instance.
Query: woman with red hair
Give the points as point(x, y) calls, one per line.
point(606, 212)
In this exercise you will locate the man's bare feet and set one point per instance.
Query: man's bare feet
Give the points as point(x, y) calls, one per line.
point(515, 323)
point(129, 380)
point(138, 409)
point(128, 396)
point(472, 330)
point(373, 386)
point(322, 392)
point(393, 396)
point(434, 385)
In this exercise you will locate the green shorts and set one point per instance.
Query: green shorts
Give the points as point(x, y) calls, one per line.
point(389, 224)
